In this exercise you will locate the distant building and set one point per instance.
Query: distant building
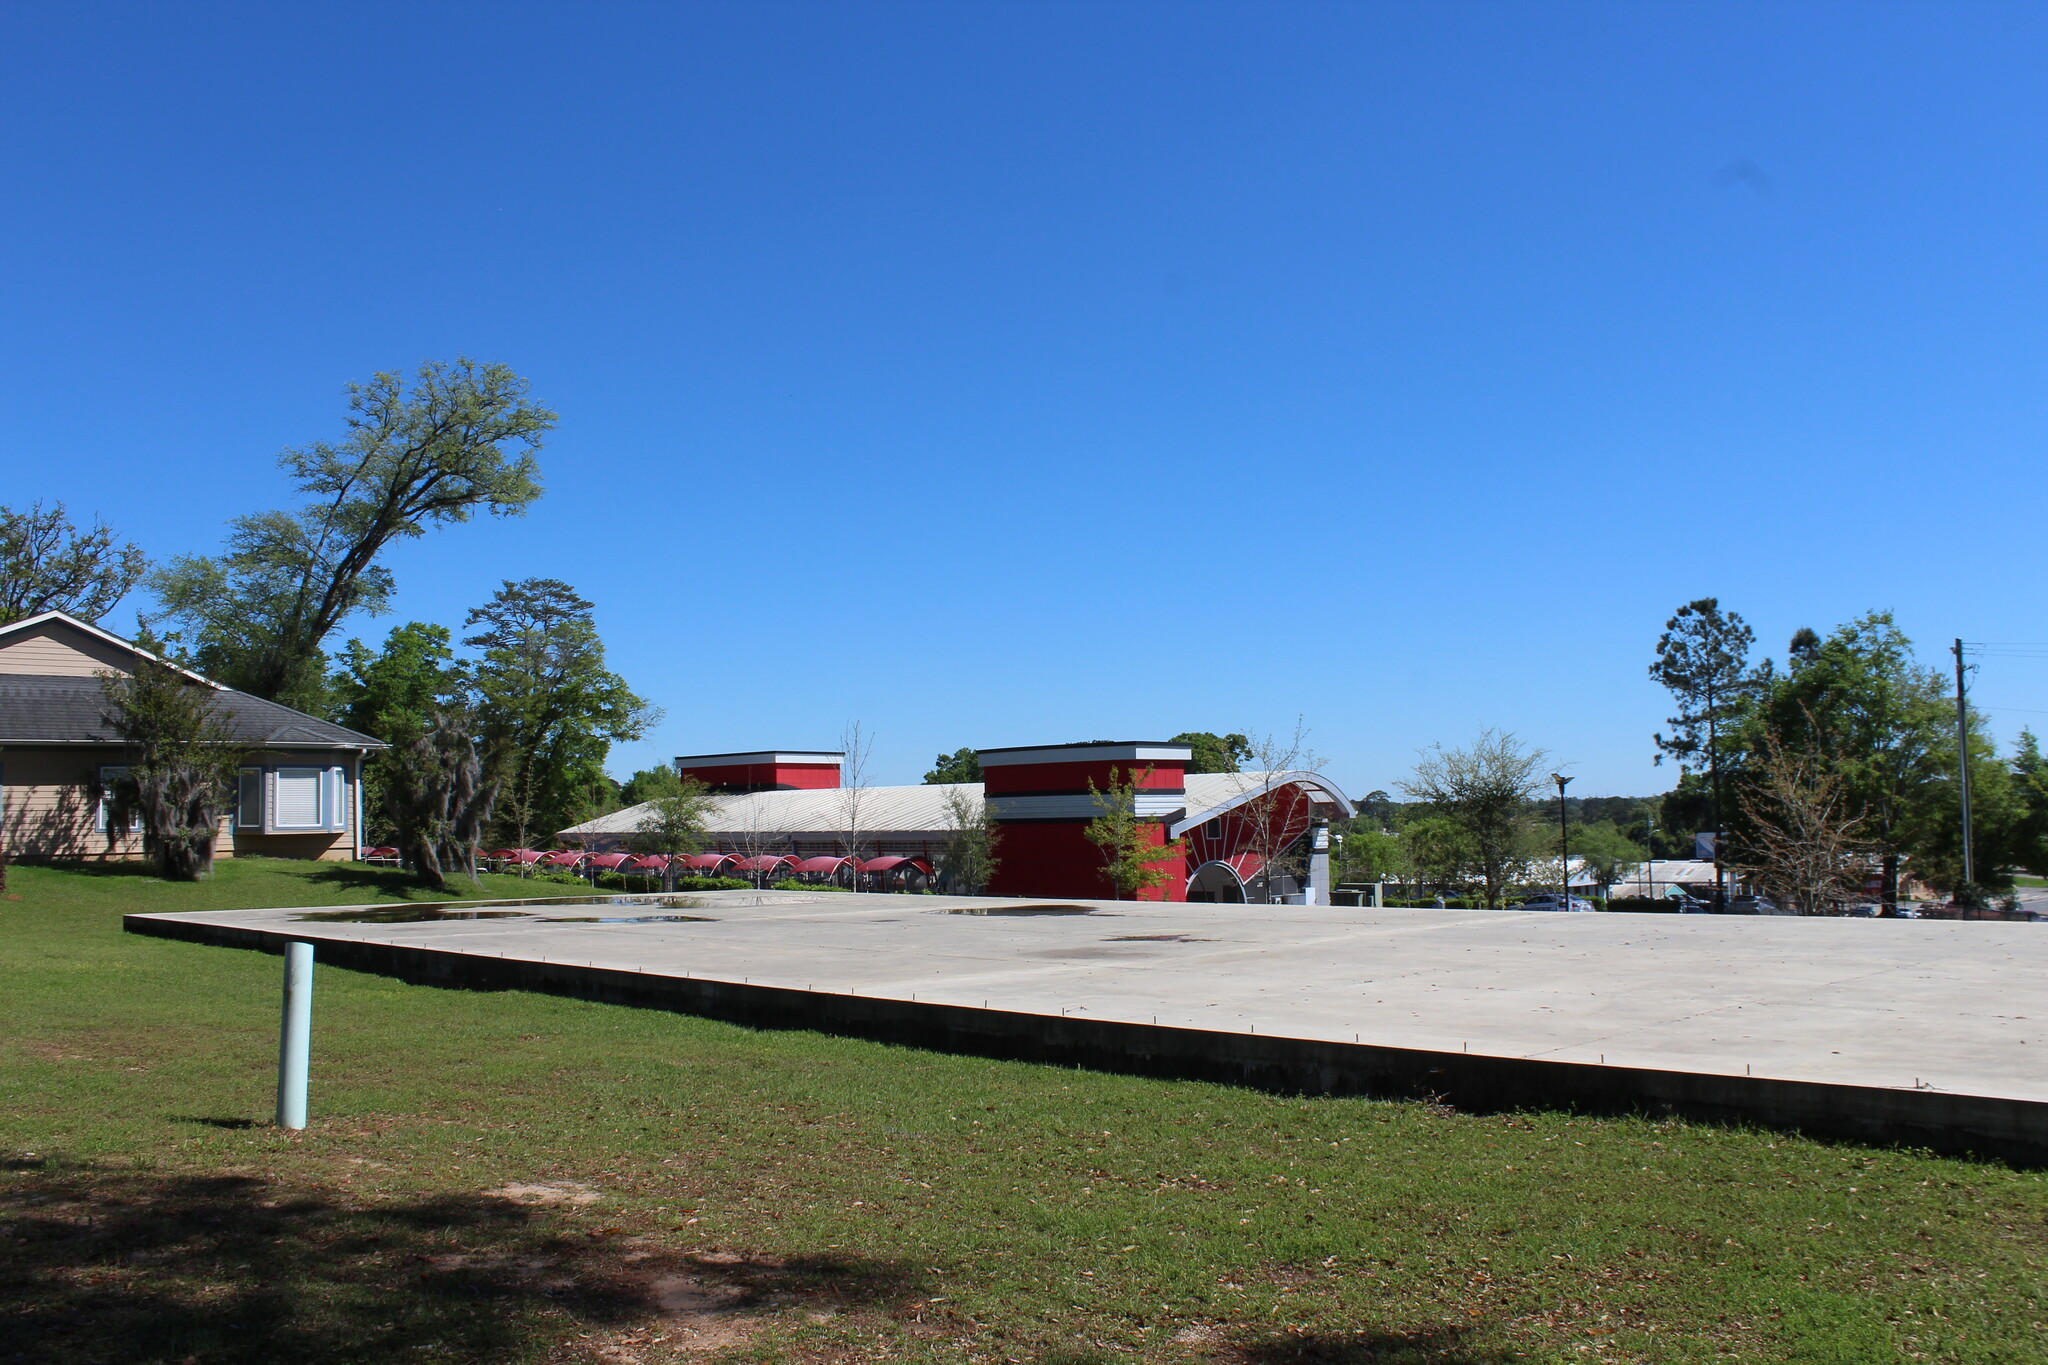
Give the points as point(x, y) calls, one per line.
point(778, 803)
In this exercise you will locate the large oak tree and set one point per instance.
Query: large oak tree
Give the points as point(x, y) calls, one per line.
point(457, 438)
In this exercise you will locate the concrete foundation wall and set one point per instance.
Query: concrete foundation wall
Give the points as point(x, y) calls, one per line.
point(2005, 1129)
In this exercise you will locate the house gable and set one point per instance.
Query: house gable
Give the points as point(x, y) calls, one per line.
point(54, 646)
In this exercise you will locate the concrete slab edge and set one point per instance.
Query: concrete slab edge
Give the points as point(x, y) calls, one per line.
point(2008, 1130)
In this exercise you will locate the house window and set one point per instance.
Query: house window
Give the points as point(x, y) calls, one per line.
point(297, 801)
point(109, 774)
point(249, 799)
point(1213, 830)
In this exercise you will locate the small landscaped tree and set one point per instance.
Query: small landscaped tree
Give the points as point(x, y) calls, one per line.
point(969, 861)
point(181, 770)
point(855, 745)
point(1125, 837)
point(674, 825)
point(1484, 791)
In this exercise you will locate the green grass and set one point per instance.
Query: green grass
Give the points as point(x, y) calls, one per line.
point(785, 1196)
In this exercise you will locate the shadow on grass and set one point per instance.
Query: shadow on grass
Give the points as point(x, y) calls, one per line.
point(386, 881)
point(95, 867)
point(1424, 1346)
point(103, 1265)
point(233, 1125)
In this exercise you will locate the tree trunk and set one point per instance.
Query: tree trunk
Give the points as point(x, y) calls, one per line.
point(426, 862)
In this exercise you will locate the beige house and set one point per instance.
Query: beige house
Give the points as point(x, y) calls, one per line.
point(299, 795)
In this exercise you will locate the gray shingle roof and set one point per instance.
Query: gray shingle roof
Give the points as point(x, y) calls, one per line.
point(36, 709)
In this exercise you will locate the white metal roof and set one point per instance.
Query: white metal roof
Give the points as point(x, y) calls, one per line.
point(1097, 751)
point(817, 756)
point(920, 809)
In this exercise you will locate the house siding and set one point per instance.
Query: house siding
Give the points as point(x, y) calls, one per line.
point(47, 809)
point(54, 649)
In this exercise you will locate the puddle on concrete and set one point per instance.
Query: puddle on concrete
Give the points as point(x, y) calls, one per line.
point(429, 912)
point(629, 919)
point(402, 914)
point(1156, 938)
point(1018, 911)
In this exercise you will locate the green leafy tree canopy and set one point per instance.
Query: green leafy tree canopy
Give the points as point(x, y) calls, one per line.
point(460, 436)
point(1215, 753)
point(959, 766)
point(47, 564)
point(551, 709)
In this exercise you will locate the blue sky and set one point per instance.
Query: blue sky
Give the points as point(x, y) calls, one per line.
point(1008, 374)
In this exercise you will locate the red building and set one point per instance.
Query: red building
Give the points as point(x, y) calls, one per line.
point(1222, 836)
point(770, 771)
point(1043, 797)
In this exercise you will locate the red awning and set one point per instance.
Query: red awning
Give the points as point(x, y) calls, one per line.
point(646, 862)
point(703, 861)
point(822, 864)
point(883, 864)
point(764, 863)
point(610, 861)
point(566, 858)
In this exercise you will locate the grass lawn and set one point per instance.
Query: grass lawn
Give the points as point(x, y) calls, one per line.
point(513, 1177)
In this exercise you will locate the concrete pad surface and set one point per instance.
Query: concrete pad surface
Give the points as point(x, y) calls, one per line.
point(1955, 1008)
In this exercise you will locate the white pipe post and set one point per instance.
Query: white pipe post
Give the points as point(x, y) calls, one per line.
point(295, 1036)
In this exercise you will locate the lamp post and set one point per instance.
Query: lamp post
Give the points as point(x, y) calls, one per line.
point(1564, 841)
point(1650, 842)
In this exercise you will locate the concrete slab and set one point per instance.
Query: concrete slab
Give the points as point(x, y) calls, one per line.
point(1707, 1003)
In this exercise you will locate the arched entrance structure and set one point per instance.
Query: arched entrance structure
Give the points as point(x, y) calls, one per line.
point(1259, 837)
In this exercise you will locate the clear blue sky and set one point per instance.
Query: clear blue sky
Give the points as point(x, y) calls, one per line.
point(1010, 374)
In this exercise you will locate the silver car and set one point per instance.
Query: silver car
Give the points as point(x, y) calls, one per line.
point(1551, 900)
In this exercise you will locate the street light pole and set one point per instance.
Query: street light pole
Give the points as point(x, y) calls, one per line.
point(1963, 768)
point(1564, 841)
point(1650, 842)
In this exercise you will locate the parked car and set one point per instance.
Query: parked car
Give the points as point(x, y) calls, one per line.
point(1753, 905)
point(1551, 900)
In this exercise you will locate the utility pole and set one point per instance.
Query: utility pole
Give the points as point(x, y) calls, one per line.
point(1963, 769)
point(1564, 842)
